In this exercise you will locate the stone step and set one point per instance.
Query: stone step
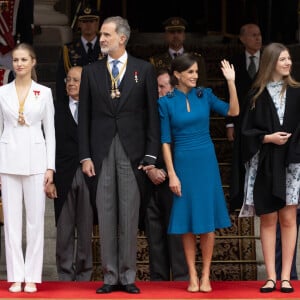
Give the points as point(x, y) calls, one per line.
point(46, 54)
point(53, 35)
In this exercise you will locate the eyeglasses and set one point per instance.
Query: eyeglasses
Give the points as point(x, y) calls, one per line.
point(70, 79)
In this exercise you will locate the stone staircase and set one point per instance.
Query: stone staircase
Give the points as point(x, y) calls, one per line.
point(242, 239)
point(47, 57)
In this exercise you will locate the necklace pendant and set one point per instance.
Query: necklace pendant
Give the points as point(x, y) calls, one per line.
point(118, 93)
point(21, 119)
point(113, 94)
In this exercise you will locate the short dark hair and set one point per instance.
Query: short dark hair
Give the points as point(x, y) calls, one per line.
point(162, 71)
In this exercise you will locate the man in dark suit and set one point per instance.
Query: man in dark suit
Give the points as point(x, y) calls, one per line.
point(175, 37)
point(250, 37)
point(80, 52)
point(73, 209)
point(119, 138)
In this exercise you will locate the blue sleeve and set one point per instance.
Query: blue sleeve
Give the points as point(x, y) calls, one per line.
point(164, 121)
point(216, 104)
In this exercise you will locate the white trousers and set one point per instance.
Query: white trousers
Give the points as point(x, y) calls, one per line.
point(15, 188)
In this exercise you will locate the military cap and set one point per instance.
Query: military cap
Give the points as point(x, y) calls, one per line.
point(175, 23)
point(88, 13)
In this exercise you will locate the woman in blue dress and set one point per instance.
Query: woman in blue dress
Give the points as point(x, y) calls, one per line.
point(199, 205)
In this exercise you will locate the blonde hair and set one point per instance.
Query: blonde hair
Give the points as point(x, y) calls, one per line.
point(30, 50)
point(267, 66)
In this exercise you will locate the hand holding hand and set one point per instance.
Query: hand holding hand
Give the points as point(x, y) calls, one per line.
point(157, 176)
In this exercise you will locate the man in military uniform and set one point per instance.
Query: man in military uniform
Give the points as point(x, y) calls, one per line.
point(82, 51)
point(175, 37)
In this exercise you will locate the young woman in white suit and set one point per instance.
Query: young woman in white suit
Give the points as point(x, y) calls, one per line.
point(27, 163)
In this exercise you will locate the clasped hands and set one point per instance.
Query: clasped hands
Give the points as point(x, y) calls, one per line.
point(278, 138)
point(157, 176)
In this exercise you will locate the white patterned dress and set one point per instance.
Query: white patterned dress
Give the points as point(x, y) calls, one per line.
point(292, 170)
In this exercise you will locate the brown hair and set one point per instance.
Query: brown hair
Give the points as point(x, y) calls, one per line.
point(30, 50)
point(267, 66)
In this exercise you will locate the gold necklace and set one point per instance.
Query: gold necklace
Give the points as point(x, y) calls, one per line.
point(115, 92)
point(21, 119)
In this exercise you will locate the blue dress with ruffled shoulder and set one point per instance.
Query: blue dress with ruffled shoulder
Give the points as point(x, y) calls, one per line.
point(201, 207)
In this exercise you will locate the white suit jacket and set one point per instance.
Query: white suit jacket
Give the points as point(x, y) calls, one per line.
point(27, 149)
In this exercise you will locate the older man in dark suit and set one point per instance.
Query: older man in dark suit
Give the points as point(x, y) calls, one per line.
point(73, 209)
point(245, 70)
point(246, 65)
point(119, 138)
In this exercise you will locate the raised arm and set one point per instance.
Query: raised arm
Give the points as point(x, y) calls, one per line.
point(229, 74)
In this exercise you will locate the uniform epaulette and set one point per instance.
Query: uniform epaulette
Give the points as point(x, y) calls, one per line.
point(67, 63)
point(161, 61)
point(151, 60)
point(197, 54)
point(160, 56)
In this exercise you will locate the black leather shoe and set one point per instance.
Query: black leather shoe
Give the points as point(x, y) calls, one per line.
point(265, 289)
point(131, 288)
point(289, 289)
point(107, 288)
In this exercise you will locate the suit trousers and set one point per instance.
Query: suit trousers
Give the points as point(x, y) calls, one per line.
point(166, 254)
point(118, 201)
point(15, 188)
point(74, 259)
